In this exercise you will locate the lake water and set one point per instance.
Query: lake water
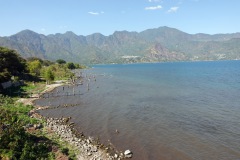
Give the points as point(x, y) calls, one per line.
point(169, 111)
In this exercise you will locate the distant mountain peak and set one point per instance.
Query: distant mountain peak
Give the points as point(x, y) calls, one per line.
point(26, 35)
point(152, 45)
point(96, 34)
point(119, 32)
point(69, 33)
point(26, 31)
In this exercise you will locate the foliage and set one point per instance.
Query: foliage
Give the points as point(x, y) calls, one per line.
point(43, 62)
point(7, 104)
point(70, 65)
point(49, 76)
point(5, 75)
point(11, 64)
point(51, 71)
point(34, 67)
point(15, 142)
point(65, 151)
point(61, 61)
point(30, 59)
point(47, 63)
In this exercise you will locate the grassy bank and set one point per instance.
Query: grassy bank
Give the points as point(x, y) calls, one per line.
point(24, 137)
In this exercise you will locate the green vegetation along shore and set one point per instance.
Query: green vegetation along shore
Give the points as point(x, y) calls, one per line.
point(24, 134)
point(24, 137)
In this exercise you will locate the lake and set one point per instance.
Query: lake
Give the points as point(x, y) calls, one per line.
point(169, 111)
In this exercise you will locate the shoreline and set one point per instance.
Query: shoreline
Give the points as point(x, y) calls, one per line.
point(86, 147)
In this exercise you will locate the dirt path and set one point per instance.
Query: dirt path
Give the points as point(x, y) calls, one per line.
point(48, 88)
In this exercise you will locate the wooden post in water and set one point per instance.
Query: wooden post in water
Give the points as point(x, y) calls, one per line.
point(88, 86)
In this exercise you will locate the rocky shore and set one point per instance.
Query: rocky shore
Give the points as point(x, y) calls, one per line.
point(87, 148)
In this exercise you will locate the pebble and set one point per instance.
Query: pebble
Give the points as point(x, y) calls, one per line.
point(89, 154)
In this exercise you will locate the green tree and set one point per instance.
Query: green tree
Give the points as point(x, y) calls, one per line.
point(47, 63)
point(70, 65)
point(30, 59)
point(77, 66)
point(43, 62)
point(11, 64)
point(34, 67)
point(49, 76)
point(60, 61)
point(5, 75)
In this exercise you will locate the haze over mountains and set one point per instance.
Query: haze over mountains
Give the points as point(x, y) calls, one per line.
point(152, 45)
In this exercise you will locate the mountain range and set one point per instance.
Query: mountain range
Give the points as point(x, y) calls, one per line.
point(152, 45)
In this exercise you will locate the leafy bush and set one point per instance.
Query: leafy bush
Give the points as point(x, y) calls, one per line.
point(65, 151)
point(11, 64)
point(61, 61)
point(15, 142)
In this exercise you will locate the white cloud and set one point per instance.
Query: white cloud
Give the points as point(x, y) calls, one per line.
point(93, 13)
point(96, 13)
point(153, 7)
point(173, 9)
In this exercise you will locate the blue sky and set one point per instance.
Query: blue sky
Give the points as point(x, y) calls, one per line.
point(85, 17)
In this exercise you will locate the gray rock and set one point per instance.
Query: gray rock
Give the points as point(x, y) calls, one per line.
point(89, 154)
point(88, 141)
point(94, 149)
point(128, 154)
